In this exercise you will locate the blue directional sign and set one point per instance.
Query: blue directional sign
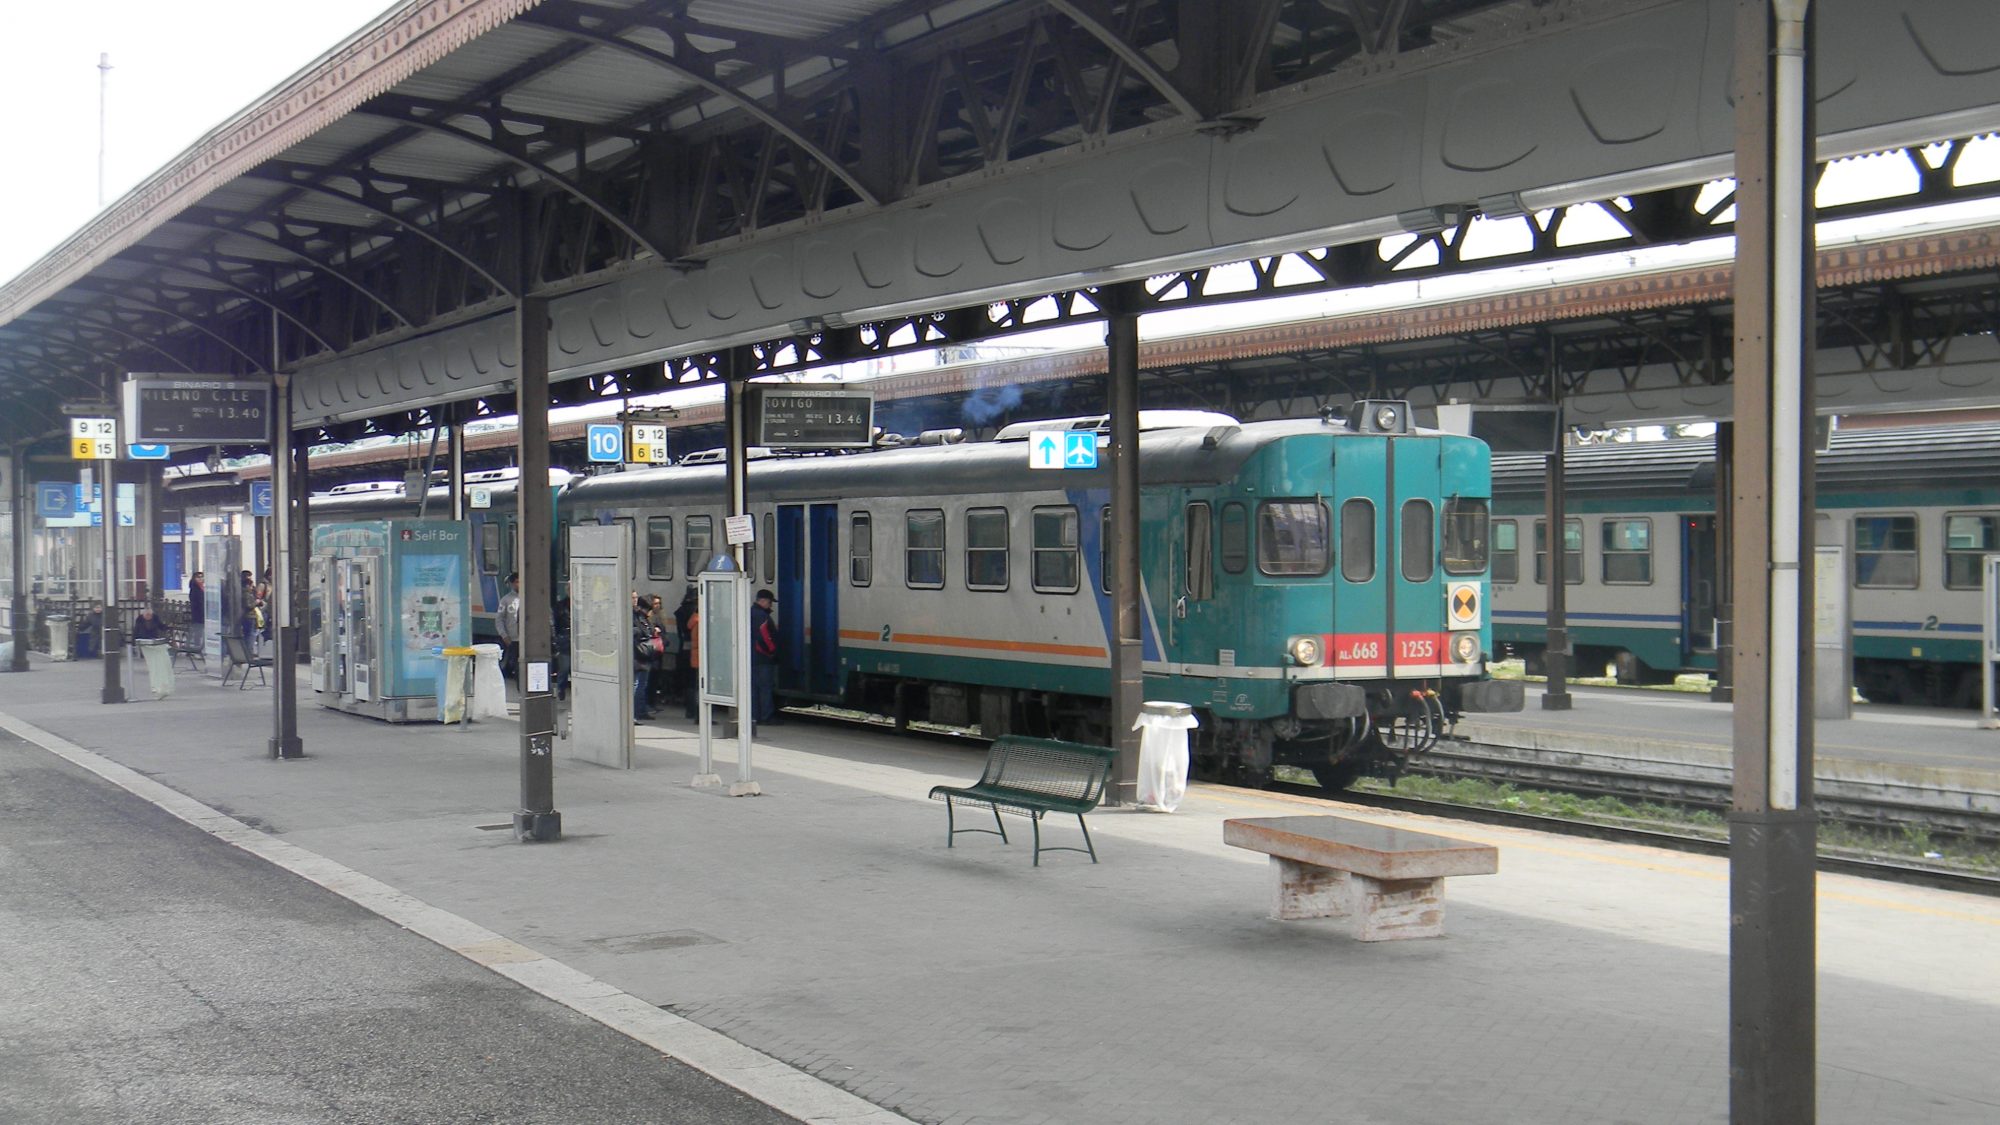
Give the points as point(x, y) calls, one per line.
point(260, 498)
point(147, 452)
point(1080, 450)
point(606, 442)
point(55, 499)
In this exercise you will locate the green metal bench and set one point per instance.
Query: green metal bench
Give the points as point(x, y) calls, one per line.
point(1029, 777)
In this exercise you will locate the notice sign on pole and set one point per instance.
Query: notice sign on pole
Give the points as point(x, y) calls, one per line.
point(646, 445)
point(794, 417)
point(197, 411)
point(93, 439)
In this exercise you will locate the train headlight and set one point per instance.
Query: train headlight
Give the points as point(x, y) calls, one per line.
point(1304, 651)
point(1464, 648)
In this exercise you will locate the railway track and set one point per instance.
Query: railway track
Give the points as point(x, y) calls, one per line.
point(1456, 759)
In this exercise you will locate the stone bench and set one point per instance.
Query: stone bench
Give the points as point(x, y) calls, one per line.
point(1390, 881)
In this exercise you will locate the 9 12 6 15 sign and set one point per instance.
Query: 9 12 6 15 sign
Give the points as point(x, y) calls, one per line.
point(791, 417)
point(174, 411)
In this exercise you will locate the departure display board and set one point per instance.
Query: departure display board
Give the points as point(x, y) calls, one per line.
point(793, 417)
point(198, 411)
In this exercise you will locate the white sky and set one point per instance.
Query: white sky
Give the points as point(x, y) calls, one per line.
point(179, 68)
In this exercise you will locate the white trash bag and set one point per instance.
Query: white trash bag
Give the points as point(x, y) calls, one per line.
point(1163, 754)
point(489, 687)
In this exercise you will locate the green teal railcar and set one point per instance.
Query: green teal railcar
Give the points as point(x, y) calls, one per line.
point(1316, 589)
point(1913, 509)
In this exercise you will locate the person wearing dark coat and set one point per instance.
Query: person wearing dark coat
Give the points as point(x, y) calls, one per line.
point(763, 659)
point(146, 626)
point(647, 649)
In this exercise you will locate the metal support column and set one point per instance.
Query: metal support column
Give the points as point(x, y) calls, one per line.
point(22, 503)
point(111, 639)
point(537, 818)
point(1772, 837)
point(738, 425)
point(1128, 671)
point(285, 520)
point(1555, 544)
point(456, 463)
point(1724, 690)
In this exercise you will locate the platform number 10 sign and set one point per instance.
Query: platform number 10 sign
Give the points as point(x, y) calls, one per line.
point(93, 439)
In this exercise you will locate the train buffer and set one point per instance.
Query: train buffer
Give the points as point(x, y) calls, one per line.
point(1030, 777)
point(1389, 881)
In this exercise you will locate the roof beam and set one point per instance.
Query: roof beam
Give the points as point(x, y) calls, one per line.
point(234, 225)
point(1096, 18)
point(308, 181)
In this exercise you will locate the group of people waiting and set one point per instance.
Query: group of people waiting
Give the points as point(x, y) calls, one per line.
point(666, 650)
point(667, 655)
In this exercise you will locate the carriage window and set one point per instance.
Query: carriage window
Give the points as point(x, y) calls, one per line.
point(1966, 538)
point(1357, 540)
point(660, 547)
point(861, 549)
point(1572, 552)
point(1464, 536)
point(1506, 548)
point(1054, 560)
point(923, 548)
point(1628, 552)
point(986, 549)
point(1200, 554)
point(1292, 537)
point(770, 547)
point(1418, 539)
point(1235, 537)
point(700, 538)
point(1104, 548)
point(1885, 552)
point(489, 548)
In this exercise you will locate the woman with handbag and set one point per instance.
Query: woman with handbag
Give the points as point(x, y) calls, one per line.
point(647, 649)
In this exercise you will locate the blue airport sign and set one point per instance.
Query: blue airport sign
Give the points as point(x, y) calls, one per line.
point(606, 442)
point(260, 498)
point(1080, 450)
point(148, 452)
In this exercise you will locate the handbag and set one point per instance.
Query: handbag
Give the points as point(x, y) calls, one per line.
point(659, 645)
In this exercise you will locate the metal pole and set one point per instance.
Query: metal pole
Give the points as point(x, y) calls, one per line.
point(1772, 899)
point(1128, 669)
point(103, 85)
point(1555, 543)
point(739, 505)
point(456, 466)
point(537, 818)
point(110, 638)
point(1725, 536)
point(23, 628)
point(284, 742)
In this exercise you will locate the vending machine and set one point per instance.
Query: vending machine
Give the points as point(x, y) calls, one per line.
point(384, 596)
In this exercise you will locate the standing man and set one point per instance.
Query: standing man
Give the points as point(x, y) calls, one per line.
point(508, 619)
point(197, 605)
point(763, 660)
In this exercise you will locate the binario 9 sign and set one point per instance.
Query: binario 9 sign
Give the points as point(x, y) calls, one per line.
point(161, 409)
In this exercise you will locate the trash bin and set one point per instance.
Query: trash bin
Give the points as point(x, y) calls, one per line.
point(1163, 755)
point(159, 665)
point(59, 636)
point(454, 683)
point(489, 687)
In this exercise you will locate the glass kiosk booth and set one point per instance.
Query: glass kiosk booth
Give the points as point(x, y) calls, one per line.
point(382, 596)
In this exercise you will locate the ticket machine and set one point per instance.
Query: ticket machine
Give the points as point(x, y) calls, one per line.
point(382, 596)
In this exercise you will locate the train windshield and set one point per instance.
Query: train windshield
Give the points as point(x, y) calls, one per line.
point(1464, 536)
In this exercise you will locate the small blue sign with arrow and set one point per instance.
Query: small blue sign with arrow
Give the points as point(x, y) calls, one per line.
point(55, 499)
point(260, 498)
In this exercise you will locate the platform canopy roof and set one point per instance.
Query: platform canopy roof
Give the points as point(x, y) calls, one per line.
point(685, 176)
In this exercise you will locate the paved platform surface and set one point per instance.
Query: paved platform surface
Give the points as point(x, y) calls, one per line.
point(827, 925)
point(1915, 737)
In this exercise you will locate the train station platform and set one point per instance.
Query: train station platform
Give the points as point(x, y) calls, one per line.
point(826, 928)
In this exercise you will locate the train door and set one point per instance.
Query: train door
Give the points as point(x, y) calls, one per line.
point(1362, 505)
point(808, 589)
point(1417, 603)
point(1698, 576)
point(793, 606)
point(1191, 627)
